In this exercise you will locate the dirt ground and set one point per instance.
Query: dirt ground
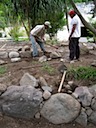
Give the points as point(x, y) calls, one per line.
point(16, 70)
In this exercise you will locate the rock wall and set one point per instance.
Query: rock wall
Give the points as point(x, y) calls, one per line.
point(34, 98)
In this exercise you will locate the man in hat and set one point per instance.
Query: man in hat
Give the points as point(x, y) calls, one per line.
point(37, 36)
point(74, 35)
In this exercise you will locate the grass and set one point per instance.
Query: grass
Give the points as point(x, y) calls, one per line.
point(23, 39)
point(82, 73)
point(35, 62)
point(48, 68)
point(2, 70)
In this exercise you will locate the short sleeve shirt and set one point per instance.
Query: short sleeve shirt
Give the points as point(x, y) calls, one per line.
point(77, 32)
point(38, 31)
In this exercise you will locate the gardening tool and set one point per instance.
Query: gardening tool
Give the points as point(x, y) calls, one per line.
point(56, 47)
point(38, 39)
point(62, 69)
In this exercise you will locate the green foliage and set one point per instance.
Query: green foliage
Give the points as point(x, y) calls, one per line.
point(49, 69)
point(15, 33)
point(2, 70)
point(33, 12)
point(83, 73)
point(5, 13)
point(57, 21)
point(23, 39)
point(2, 19)
point(0, 34)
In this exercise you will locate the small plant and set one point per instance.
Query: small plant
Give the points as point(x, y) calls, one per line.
point(46, 67)
point(2, 70)
point(52, 41)
point(35, 62)
point(83, 73)
point(15, 33)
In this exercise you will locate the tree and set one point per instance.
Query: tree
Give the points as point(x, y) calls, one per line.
point(94, 10)
point(32, 12)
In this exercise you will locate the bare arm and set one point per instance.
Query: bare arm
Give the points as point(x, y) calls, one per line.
point(73, 29)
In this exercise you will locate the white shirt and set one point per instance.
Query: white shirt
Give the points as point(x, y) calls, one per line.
point(77, 32)
point(38, 31)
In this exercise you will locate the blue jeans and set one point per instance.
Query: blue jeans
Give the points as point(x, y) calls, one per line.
point(35, 50)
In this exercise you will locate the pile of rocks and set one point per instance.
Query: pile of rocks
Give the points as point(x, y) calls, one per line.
point(34, 98)
point(17, 53)
point(26, 52)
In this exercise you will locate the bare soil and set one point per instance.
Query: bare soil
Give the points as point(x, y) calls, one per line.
point(16, 70)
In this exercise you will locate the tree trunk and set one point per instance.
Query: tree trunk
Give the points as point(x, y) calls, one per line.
point(27, 32)
point(66, 13)
point(86, 24)
point(94, 10)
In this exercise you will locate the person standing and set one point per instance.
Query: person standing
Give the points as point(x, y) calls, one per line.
point(74, 35)
point(37, 36)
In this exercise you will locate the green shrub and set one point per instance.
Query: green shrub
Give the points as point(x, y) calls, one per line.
point(15, 33)
point(48, 68)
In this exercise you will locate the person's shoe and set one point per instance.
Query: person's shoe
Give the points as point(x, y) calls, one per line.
point(72, 61)
point(35, 57)
point(46, 53)
point(76, 60)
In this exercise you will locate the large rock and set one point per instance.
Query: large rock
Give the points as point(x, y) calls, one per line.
point(92, 90)
point(83, 50)
point(15, 59)
point(25, 54)
point(93, 104)
point(55, 55)
point(42, 81)
point(60, 108)
point(28, 80)
point(82, 118)
point(13, 54)
point(93, 52)
point(3, 87)
point(84, 95)
point(92, 118)
point(21, 101)
point(3, 54)
point(2, 62)
point(26, 48)
point(43, 59)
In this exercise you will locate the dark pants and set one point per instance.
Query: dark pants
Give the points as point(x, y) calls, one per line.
point(74, 48)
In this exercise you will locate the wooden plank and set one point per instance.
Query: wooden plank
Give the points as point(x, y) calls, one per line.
point(2, 46)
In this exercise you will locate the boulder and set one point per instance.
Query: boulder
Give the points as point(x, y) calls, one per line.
point(28, 80)
point(20, 101)
point(13, 54)
point(61, 108)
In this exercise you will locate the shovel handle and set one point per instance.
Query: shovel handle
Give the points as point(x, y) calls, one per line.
point(53, 46)
point(61, 83)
